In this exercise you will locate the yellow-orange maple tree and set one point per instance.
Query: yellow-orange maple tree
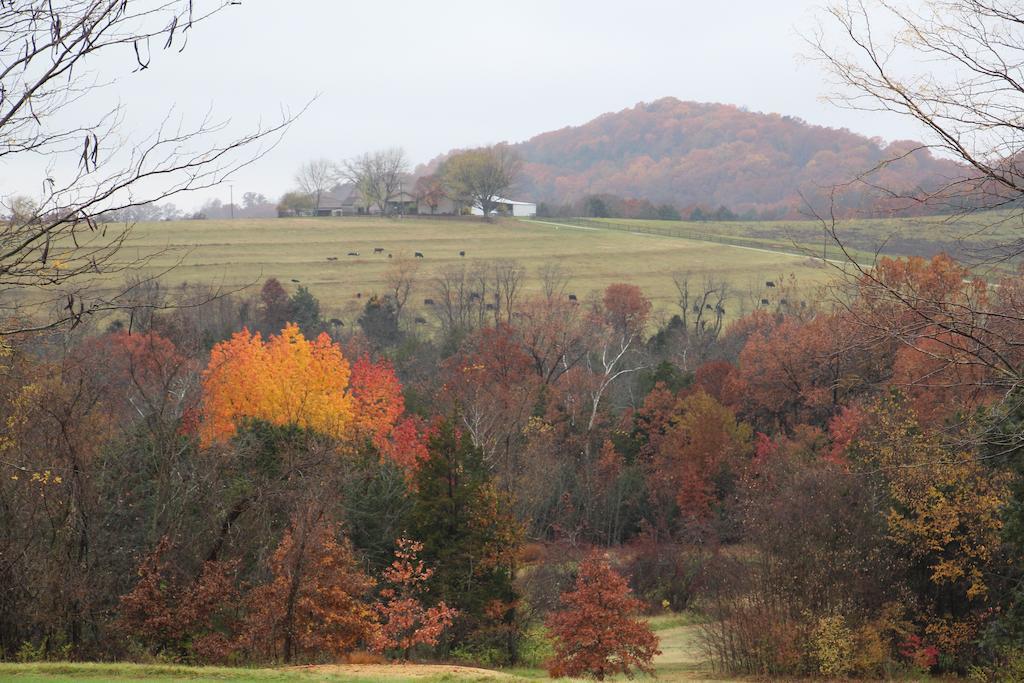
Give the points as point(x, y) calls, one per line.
point(286, 379)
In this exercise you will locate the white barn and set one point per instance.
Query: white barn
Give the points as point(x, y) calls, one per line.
point(509, 207)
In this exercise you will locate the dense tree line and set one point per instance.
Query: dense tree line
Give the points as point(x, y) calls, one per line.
point(219, 483)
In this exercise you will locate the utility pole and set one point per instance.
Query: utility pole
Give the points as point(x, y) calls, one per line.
point(232, 188)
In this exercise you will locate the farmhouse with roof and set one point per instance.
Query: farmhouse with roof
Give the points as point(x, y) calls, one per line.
point(344, 199)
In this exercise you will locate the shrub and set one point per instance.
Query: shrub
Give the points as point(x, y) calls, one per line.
point(832, 646)
point(665, 575)
point(177, 617)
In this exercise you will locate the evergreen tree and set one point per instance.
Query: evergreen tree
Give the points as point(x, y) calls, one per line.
point(1004, 439)
point(380, 321)
point(468, 535)
point(305, 312)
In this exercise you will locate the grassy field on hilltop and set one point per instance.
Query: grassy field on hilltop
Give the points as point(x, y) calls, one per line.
point(245, 251)
point(965, 238)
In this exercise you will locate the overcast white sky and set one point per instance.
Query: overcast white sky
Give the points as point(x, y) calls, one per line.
point(430, 76)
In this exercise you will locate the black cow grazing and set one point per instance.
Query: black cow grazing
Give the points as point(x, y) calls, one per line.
point(353, 253)
point(389, 255)
point(359, 295)
point(332, 258)
point(428, 302)
point(474, 296)
point(803, 304)
point(707, 307)
point(719, 310)
point(765, 302)
point(769, 284)
point(783, 302)
point(337, 322)
point(572, 297)
point(421, 321)
point(462, 253)
point(490, 307)
point(418, 254)
point(294, 280)
point(378, 250)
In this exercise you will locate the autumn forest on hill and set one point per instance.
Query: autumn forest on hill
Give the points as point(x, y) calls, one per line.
point(693, 155)
point(308, 447)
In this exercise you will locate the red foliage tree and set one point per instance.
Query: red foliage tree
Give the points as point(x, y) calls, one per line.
point(690, 443)
point(168, 613)
point(405, 621)
point(143, 376)
point(275, 306)
point(713, 378)
point(595, 630)
point(493, 386)
point(800, 371)
point(619, 326)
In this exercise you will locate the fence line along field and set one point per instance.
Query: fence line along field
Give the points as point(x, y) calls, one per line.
point(338, 258)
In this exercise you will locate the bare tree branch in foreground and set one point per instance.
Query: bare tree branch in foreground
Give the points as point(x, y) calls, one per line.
point(58, 259)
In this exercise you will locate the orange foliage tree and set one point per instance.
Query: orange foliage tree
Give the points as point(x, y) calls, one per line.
point(405, 621)
point(315, 603)
point(596, 632)
point(285, 380)
point(288, 379)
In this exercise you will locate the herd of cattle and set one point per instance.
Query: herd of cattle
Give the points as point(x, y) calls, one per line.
point(380, 250)
point(474, 296)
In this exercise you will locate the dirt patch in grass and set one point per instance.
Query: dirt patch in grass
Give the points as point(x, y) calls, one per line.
point(405, 671)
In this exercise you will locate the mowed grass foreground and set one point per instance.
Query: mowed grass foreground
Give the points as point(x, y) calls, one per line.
point(157, 673)
point(241, 252)
point(681, 660)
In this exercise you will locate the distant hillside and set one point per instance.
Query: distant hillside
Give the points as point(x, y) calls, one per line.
point(693, 154)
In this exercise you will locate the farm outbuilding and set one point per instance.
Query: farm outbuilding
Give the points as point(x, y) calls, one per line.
point(510, 207)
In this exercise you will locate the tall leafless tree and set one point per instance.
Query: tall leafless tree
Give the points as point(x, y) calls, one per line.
point(554, 278)
point(378, 176)
point(509, 276)
point(400, 278)
point(58, 256)
point(702, 311)
point(316, 177)
point(956, 67)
